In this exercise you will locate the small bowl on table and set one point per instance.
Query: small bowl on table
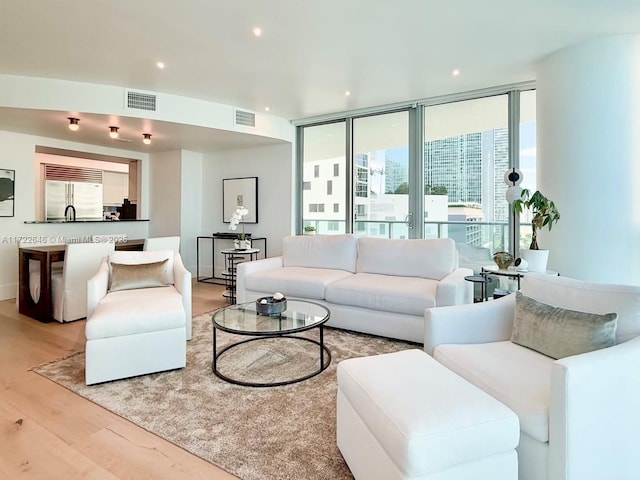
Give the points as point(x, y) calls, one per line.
point(271, 307)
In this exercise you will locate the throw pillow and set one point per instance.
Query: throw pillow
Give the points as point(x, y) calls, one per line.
point(142, 275)
point(558, 332)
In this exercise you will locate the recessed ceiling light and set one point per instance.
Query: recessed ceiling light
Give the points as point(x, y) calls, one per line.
point(347, 93)
point(146, 138)
point(73, 124)
point(455, 72)
point(113, 132)
point(266, 109)
point(160, 65)
point(257, 31)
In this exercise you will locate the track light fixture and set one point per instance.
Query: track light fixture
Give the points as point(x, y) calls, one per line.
point(113, 132)
point(73, 124)
point(146, 138)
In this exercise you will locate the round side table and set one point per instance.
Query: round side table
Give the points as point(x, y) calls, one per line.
point(483, 279)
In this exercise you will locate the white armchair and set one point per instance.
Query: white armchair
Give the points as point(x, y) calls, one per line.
point(138, 315)
point(580, 415)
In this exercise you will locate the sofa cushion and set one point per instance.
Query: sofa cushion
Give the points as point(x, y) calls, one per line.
point(516, 376)
point(127, 312)
point(591, 297)
point(433, 259)
point(337, 252)
point(384, 292)
point(295, 281)
point(559, 332)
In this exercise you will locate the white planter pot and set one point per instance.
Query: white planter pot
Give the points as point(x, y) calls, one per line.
point(537, 259)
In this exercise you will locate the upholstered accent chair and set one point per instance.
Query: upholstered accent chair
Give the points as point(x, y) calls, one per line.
point(138, 315)
point(579, 414)
point(69, 286)
point(162, 243)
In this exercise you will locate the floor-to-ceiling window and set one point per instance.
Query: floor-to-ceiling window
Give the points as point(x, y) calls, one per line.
point(381, 175)
point(466, 153)
point(436, 165)
point(324, 178)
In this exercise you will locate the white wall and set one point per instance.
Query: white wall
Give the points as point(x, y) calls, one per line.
point(191, 206)
point(588, 116)
point(273, 165)
point(176, 200)
point(165, 193)
point(18, 153)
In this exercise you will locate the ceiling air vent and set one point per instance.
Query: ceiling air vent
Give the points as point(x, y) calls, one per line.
point(246, 119)
point(72, 174)
point(141, 101)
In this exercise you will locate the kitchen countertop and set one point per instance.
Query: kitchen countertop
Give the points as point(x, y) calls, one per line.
point(88, 221)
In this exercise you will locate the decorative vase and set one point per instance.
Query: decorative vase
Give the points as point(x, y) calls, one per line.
point(503, 259)
point(245, 244)
point(537, 259)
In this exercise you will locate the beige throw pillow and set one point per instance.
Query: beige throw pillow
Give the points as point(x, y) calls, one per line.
point(557, 332)
point(142, 275)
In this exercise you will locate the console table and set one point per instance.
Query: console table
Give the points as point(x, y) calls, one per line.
point(510, 273)
point(213, 238)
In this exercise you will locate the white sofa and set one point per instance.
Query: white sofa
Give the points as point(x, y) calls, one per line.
point(579, 415)
point(370, 285)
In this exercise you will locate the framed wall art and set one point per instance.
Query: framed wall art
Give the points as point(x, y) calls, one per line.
point(240, 191)
point(7, 192)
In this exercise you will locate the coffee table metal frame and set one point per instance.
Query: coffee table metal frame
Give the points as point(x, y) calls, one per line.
point(325, 354)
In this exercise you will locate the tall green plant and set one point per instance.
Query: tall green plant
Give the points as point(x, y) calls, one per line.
point(544, 212)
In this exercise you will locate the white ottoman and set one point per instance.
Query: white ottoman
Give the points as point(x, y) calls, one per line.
point(404, 415)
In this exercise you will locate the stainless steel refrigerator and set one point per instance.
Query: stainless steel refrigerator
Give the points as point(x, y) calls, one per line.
point(85, 197)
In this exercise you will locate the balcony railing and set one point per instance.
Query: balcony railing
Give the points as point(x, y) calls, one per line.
point(492, 235)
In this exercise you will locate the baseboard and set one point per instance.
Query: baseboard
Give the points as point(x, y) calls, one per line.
point(8, 291)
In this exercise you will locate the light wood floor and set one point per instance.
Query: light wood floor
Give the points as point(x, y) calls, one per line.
point(47, 432)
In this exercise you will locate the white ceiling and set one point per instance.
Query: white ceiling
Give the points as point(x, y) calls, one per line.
point(310, 52)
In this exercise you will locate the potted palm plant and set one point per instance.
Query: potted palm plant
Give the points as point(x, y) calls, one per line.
point(543, 214)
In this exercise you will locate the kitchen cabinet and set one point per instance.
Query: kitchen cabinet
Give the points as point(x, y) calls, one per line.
point(115, 188)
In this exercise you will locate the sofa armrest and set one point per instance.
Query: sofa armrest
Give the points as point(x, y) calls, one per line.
point(182, 282)
point(454, 289)
point(97, 287)
point(247, 268)
point(594, 415)
point(474, 323)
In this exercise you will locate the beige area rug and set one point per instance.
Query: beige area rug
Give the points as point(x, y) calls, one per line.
point(285, 432)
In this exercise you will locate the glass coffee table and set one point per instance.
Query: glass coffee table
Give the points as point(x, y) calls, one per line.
point(243, 319)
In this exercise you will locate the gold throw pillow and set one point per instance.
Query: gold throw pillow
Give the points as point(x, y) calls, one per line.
point(142, 275)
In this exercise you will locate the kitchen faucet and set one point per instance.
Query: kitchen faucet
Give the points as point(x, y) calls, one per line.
point(73, 213)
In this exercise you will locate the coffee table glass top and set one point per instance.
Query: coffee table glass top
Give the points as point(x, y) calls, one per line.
point(243, 318)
